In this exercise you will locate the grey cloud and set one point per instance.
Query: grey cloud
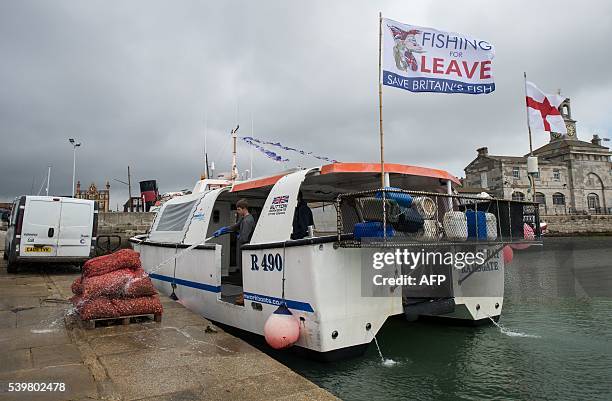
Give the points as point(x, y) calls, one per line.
point(134, 80)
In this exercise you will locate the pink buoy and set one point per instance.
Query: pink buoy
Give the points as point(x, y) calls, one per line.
point(508, 255)
point(282, 329)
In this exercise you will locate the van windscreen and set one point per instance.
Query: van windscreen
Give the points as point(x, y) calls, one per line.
point(174, 217)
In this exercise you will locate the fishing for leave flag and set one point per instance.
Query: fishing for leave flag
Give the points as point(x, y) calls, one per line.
point(422, 59)
point(543, 110)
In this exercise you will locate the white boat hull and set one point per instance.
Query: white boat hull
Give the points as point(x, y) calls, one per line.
point(322, 289)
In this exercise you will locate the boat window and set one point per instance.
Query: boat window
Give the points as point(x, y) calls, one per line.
point(175, 217)
point(325, 217)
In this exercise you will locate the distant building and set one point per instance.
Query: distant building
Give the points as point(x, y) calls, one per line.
point(134, 204)
point(101, 196)
point(574, 176)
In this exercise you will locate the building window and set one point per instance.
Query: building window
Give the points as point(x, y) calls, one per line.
point(540, 198)
point(516, 172)
point(558, 199)
point(593, 201)
point(518, 196)
point(556, 175)
point(483, 180)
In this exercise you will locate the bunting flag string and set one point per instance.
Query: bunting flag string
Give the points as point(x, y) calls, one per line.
point(268, 153)
point(279, 145)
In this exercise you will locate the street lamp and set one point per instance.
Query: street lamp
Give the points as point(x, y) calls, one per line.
point(75, 145)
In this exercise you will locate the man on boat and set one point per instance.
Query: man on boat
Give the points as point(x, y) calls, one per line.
point(244, 228)
point(301, 219)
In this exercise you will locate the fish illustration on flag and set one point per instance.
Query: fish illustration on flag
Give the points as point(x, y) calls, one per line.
point(405, 46)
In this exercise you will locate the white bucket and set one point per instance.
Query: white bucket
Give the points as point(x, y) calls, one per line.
point(431, 230)
point(425, 206)
point(491, 226)
point(455, 225)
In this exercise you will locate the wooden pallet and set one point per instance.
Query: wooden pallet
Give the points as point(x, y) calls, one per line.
point(123, 320)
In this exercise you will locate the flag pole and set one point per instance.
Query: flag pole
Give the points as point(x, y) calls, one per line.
point(531, 176)
point(380, 124)
point(527, 111)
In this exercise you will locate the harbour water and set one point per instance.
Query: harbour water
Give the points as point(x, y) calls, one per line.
point(554, 343)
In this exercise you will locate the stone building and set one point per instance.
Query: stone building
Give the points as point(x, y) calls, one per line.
point(101, 196)
point(574, 176)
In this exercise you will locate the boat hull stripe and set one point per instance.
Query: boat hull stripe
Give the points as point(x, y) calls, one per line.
point(266, 299)
point(291, 304)
point(186, 283)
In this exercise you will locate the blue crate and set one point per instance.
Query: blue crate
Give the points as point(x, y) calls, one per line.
point(477, 224)
point(371, 229)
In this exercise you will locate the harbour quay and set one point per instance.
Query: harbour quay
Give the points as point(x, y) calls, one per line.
point(184, 357)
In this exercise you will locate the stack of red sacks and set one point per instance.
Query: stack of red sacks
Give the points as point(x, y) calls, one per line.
point(115, 285)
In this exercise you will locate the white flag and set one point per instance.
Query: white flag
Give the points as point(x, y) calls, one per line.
point(543, 110)
point(422, 59)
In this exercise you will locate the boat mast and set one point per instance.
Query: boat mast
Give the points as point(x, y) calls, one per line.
point(48, 179)
point(380, 107)
point(234, 174)
point(206, 169)
point(251, 150)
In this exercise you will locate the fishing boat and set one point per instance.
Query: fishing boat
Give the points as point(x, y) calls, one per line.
point(320, 277)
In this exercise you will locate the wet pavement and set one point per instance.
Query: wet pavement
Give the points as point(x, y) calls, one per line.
point(184, 357)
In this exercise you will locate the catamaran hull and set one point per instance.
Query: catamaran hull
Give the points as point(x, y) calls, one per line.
point(322, 289)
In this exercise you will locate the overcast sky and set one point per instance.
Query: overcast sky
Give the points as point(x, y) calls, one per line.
point(135, 81)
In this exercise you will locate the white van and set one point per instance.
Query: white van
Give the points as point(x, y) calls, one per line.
point(50, 229)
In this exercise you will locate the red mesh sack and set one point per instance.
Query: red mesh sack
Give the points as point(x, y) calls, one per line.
point(77, 286)
point(136, 306)
point(103, 307)
point(123, 283)
point(123, 259)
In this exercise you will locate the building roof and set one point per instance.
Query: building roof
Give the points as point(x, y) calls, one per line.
point(569, 144)
point(508, 158)
point(514, 159)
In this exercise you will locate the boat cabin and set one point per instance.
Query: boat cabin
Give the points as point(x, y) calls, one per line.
point(192, 219)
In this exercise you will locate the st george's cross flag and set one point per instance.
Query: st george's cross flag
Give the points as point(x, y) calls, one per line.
point(543, 110)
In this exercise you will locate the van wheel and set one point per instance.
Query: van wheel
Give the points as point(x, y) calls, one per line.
point(11, 267)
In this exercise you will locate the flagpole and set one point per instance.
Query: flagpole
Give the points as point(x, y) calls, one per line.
point(531, 177)
point(527, 111)
point(380, 125)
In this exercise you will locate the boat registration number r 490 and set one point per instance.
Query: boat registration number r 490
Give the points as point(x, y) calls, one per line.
point(41, 249)
point(268, 262)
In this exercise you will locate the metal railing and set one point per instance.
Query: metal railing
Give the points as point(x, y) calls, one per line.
point(392, 217)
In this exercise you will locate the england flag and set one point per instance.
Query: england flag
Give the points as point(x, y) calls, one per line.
point(543, 110)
